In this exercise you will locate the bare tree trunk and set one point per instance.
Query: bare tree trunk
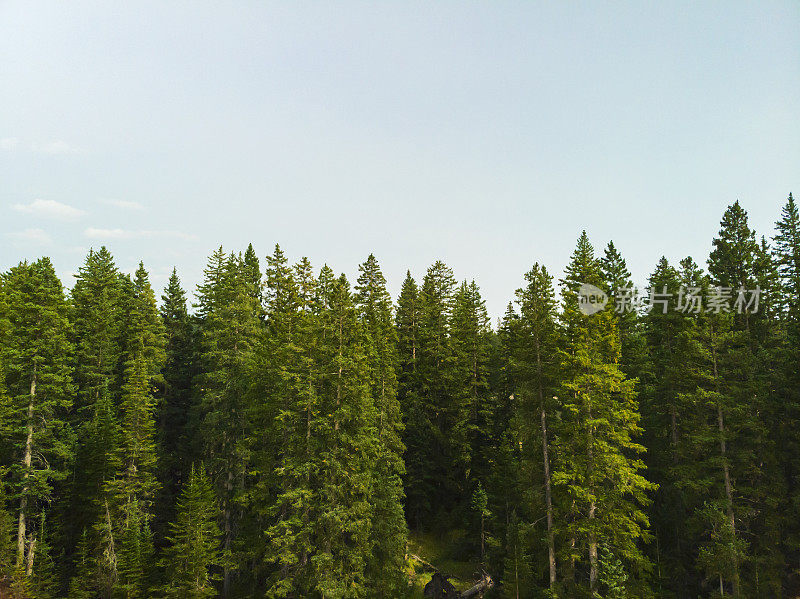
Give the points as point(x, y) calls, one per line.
point(725, 466)
point(483, 542)
point(485, 583)
point(226, 577)
point(673, 414)
point(548, 496)
point(592, 555)
point(592, 513)
point(728, 494)
point(26, 466)
point(571, 574)
point(29, 560)
point(111, 552)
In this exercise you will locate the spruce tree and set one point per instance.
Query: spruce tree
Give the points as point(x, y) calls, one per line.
point(738, 342)
point(436, 453)
point(348, 447)
point(598, 466)
point(97, 297)
point(39, 382)
point(98, 332)
point(417, 480)
point(668, 419)
point(786, 258)
point(471, 432)
point(251, 273)
point(176, 406)
point(286, 423)
point(619, 286)
point(129, 495)
point(230, 334)
point(389, 532)
point(535, 367)
point(195, 553)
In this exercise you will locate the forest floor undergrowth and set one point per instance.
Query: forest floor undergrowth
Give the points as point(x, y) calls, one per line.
point(429, 550)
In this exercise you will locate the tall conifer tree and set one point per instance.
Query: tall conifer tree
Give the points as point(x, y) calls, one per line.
point(39, 382)
point(389, 533)
point(598, 467)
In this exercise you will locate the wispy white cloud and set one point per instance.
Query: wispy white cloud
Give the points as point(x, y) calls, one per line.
point(31, 237)
point(55, 147)
point(52, 147)
point(95, 233)
point(8, 143)
point(49, 209)
point(124, 204)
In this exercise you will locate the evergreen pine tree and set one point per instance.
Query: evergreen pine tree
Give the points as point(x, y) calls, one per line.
point(668, 419)
point(287, 447)
point(742, 401)
point(535, 367)
point(417, 481)
point(176, 406)
point(437, 452)
point(598, 467)
point(99, 304)
point(39, 381)
point(389, 533)
point(348, 447)
point(470, 436)
point(195, 552)
point(231, 330)
point(618, 284)
point(129, 495)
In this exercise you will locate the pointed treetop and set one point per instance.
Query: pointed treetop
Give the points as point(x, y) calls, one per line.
point(584, 267)
point(614, 270)
point(731, 261)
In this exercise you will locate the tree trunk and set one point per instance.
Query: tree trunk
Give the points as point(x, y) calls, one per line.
point(483, 541)
point(592, 555)
point(226, 577)
point(26, 466)
point(728, 494)
point(673, 415)
point(548, 496)
point(725, 467)
point(592, 512)
point(485, 583)
point(29, 559)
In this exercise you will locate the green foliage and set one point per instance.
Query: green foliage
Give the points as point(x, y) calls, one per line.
point(631, 453)
point(597, 465)
point(385, 571)
point(38, 379)
point(612, 577)
point(721, 550)
point(195, 552)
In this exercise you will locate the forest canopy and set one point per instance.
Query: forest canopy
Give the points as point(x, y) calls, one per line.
point(289, 432)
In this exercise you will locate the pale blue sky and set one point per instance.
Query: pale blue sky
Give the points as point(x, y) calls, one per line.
point(485, 134)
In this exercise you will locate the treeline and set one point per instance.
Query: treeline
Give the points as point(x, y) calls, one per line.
point(282, 436)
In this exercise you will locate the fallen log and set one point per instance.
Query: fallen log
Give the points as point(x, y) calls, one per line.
point(484, 584)
point(441, 588)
